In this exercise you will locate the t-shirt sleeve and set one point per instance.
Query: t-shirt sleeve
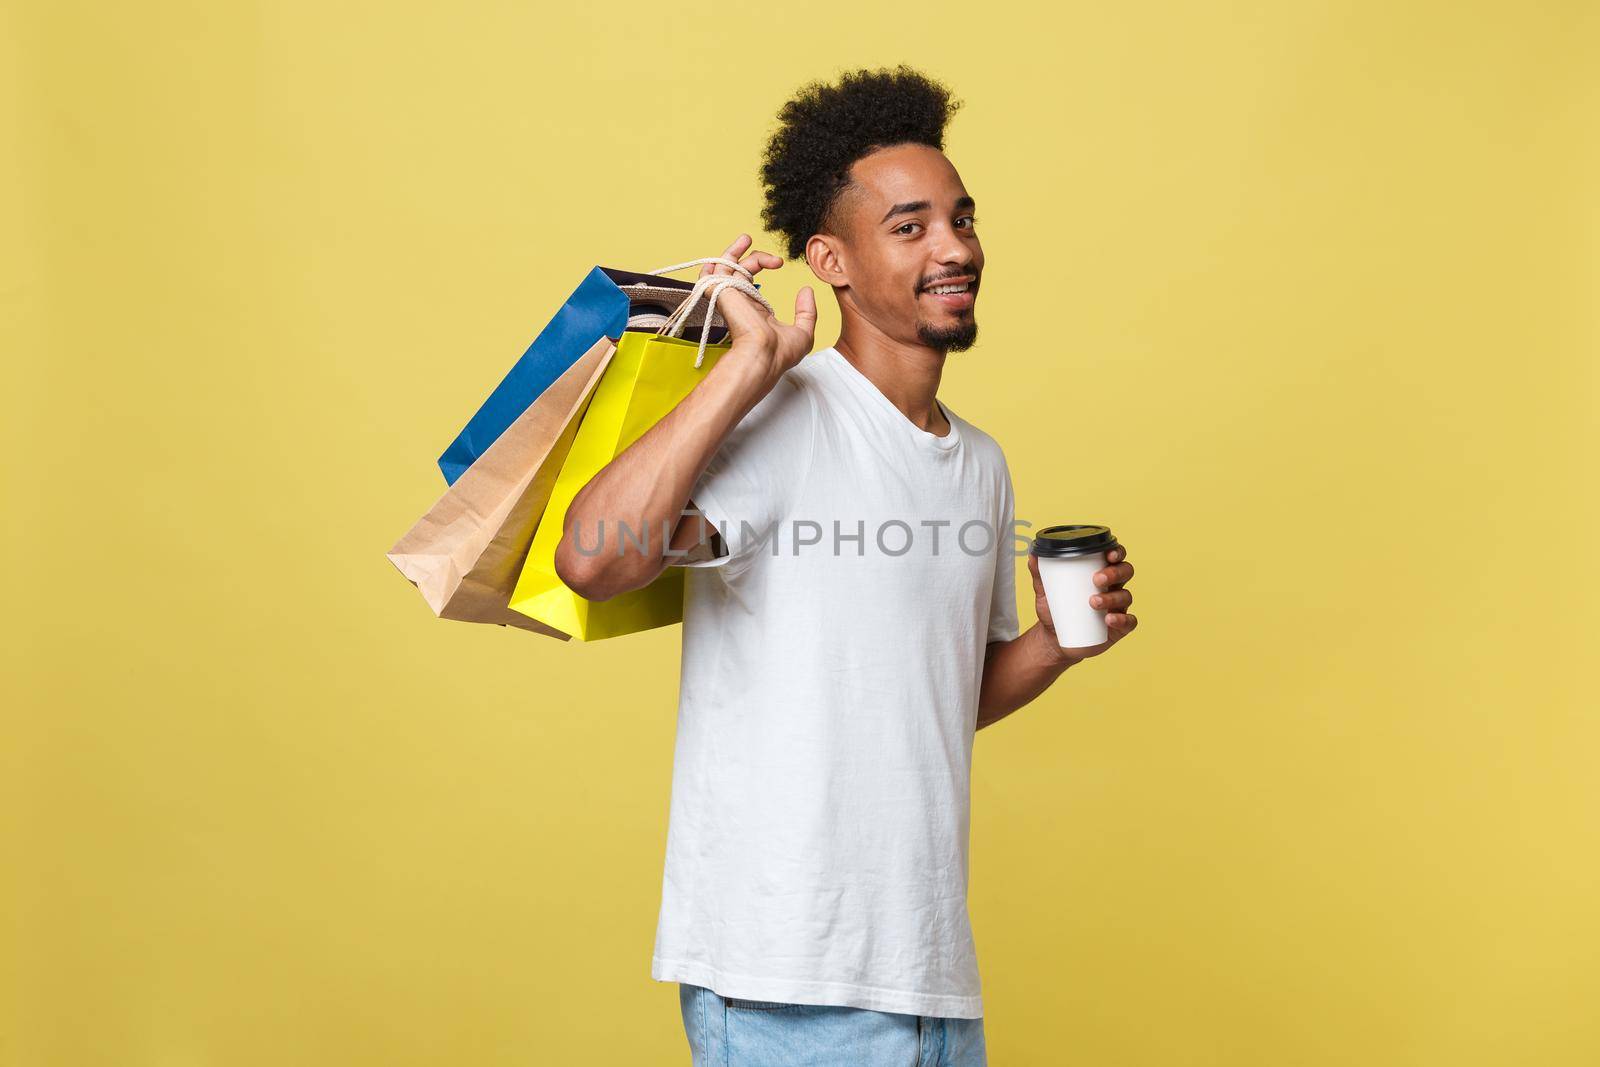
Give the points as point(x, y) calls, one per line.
point(754, 479)
point(1003, 624)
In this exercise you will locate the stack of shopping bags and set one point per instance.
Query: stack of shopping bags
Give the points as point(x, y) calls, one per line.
point(622, 351)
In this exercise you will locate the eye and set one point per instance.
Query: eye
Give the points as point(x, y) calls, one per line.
point(902, 228)
point(972, 220)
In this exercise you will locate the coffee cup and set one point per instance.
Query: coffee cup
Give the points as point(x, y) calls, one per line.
point(1069, 557)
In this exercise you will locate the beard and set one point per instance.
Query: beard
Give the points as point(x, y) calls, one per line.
point(955, 338)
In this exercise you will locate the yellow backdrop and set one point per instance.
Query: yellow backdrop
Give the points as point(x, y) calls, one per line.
point(1297, 297)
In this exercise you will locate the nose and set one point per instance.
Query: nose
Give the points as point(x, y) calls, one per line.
point(953, 251)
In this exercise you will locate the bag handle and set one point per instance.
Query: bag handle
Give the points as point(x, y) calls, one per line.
point(716, 283)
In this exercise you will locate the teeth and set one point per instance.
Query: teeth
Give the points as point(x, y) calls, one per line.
point(949, 289)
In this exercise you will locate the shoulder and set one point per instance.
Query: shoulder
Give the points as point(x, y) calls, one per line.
point(793, 393)
point(783, 419)
point(807, 379)
point(790, 403)
point(983, 444)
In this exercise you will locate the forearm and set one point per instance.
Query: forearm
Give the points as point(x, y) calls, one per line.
point(646, 487)
point(1015, 672)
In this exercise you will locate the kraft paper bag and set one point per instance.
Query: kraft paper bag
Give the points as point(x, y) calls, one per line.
point(466, 553)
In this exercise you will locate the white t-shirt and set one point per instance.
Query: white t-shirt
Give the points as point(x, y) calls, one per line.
point(818, 828)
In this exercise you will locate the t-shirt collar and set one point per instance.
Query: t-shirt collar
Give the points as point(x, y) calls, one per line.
point(865, 386)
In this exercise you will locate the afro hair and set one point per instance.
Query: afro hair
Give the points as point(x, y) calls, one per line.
point(824, 129)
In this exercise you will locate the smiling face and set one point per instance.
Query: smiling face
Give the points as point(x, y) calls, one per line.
point(903, 228)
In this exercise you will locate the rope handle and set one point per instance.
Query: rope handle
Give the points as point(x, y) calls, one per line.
point(716, 283)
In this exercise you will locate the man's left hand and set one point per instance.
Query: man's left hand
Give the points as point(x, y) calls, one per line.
point(1113, 598)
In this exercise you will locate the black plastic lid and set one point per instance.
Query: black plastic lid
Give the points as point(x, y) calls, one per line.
point(1075, 539)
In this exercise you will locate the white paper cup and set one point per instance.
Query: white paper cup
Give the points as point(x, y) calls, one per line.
point(1069, 557)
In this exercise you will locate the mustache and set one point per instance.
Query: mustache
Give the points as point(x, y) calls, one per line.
point(974, 275)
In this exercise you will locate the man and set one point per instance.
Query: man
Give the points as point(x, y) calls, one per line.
point(853, 629)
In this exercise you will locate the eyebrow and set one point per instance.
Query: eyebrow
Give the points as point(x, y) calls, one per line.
point(922, 205)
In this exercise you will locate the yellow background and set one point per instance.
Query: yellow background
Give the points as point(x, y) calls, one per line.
point(1298, 297)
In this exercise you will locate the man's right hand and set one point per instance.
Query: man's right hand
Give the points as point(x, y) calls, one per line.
point(757, 336)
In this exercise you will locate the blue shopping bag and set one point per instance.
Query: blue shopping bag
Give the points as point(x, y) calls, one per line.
point(606, 303)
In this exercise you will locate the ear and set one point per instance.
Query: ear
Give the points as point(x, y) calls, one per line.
point(823, 256)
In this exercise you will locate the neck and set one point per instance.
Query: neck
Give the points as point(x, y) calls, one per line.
point(908, 374)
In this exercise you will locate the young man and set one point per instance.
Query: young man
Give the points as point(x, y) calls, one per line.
point(856, 624)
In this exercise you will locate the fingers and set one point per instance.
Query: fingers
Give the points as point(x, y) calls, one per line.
point(1113, 577)
point(755, 262)
point(745, 317)
point(733, 252)
point(805, 310)
point(1118, 600)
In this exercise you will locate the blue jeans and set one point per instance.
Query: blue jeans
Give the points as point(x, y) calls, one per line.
point(729, 1032)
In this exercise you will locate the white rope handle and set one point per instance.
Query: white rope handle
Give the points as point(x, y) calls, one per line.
point(716, 283)
point(724, 260)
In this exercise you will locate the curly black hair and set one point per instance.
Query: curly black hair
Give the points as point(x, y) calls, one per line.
point(825, 128)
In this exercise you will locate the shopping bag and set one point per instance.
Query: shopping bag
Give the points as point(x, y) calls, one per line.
point(646, 378)
point(603, 305)
point(465, 554)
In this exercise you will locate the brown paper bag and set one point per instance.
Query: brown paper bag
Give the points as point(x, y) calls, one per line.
point(465, 554)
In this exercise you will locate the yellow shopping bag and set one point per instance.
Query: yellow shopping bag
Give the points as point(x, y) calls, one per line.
point(648, 375)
